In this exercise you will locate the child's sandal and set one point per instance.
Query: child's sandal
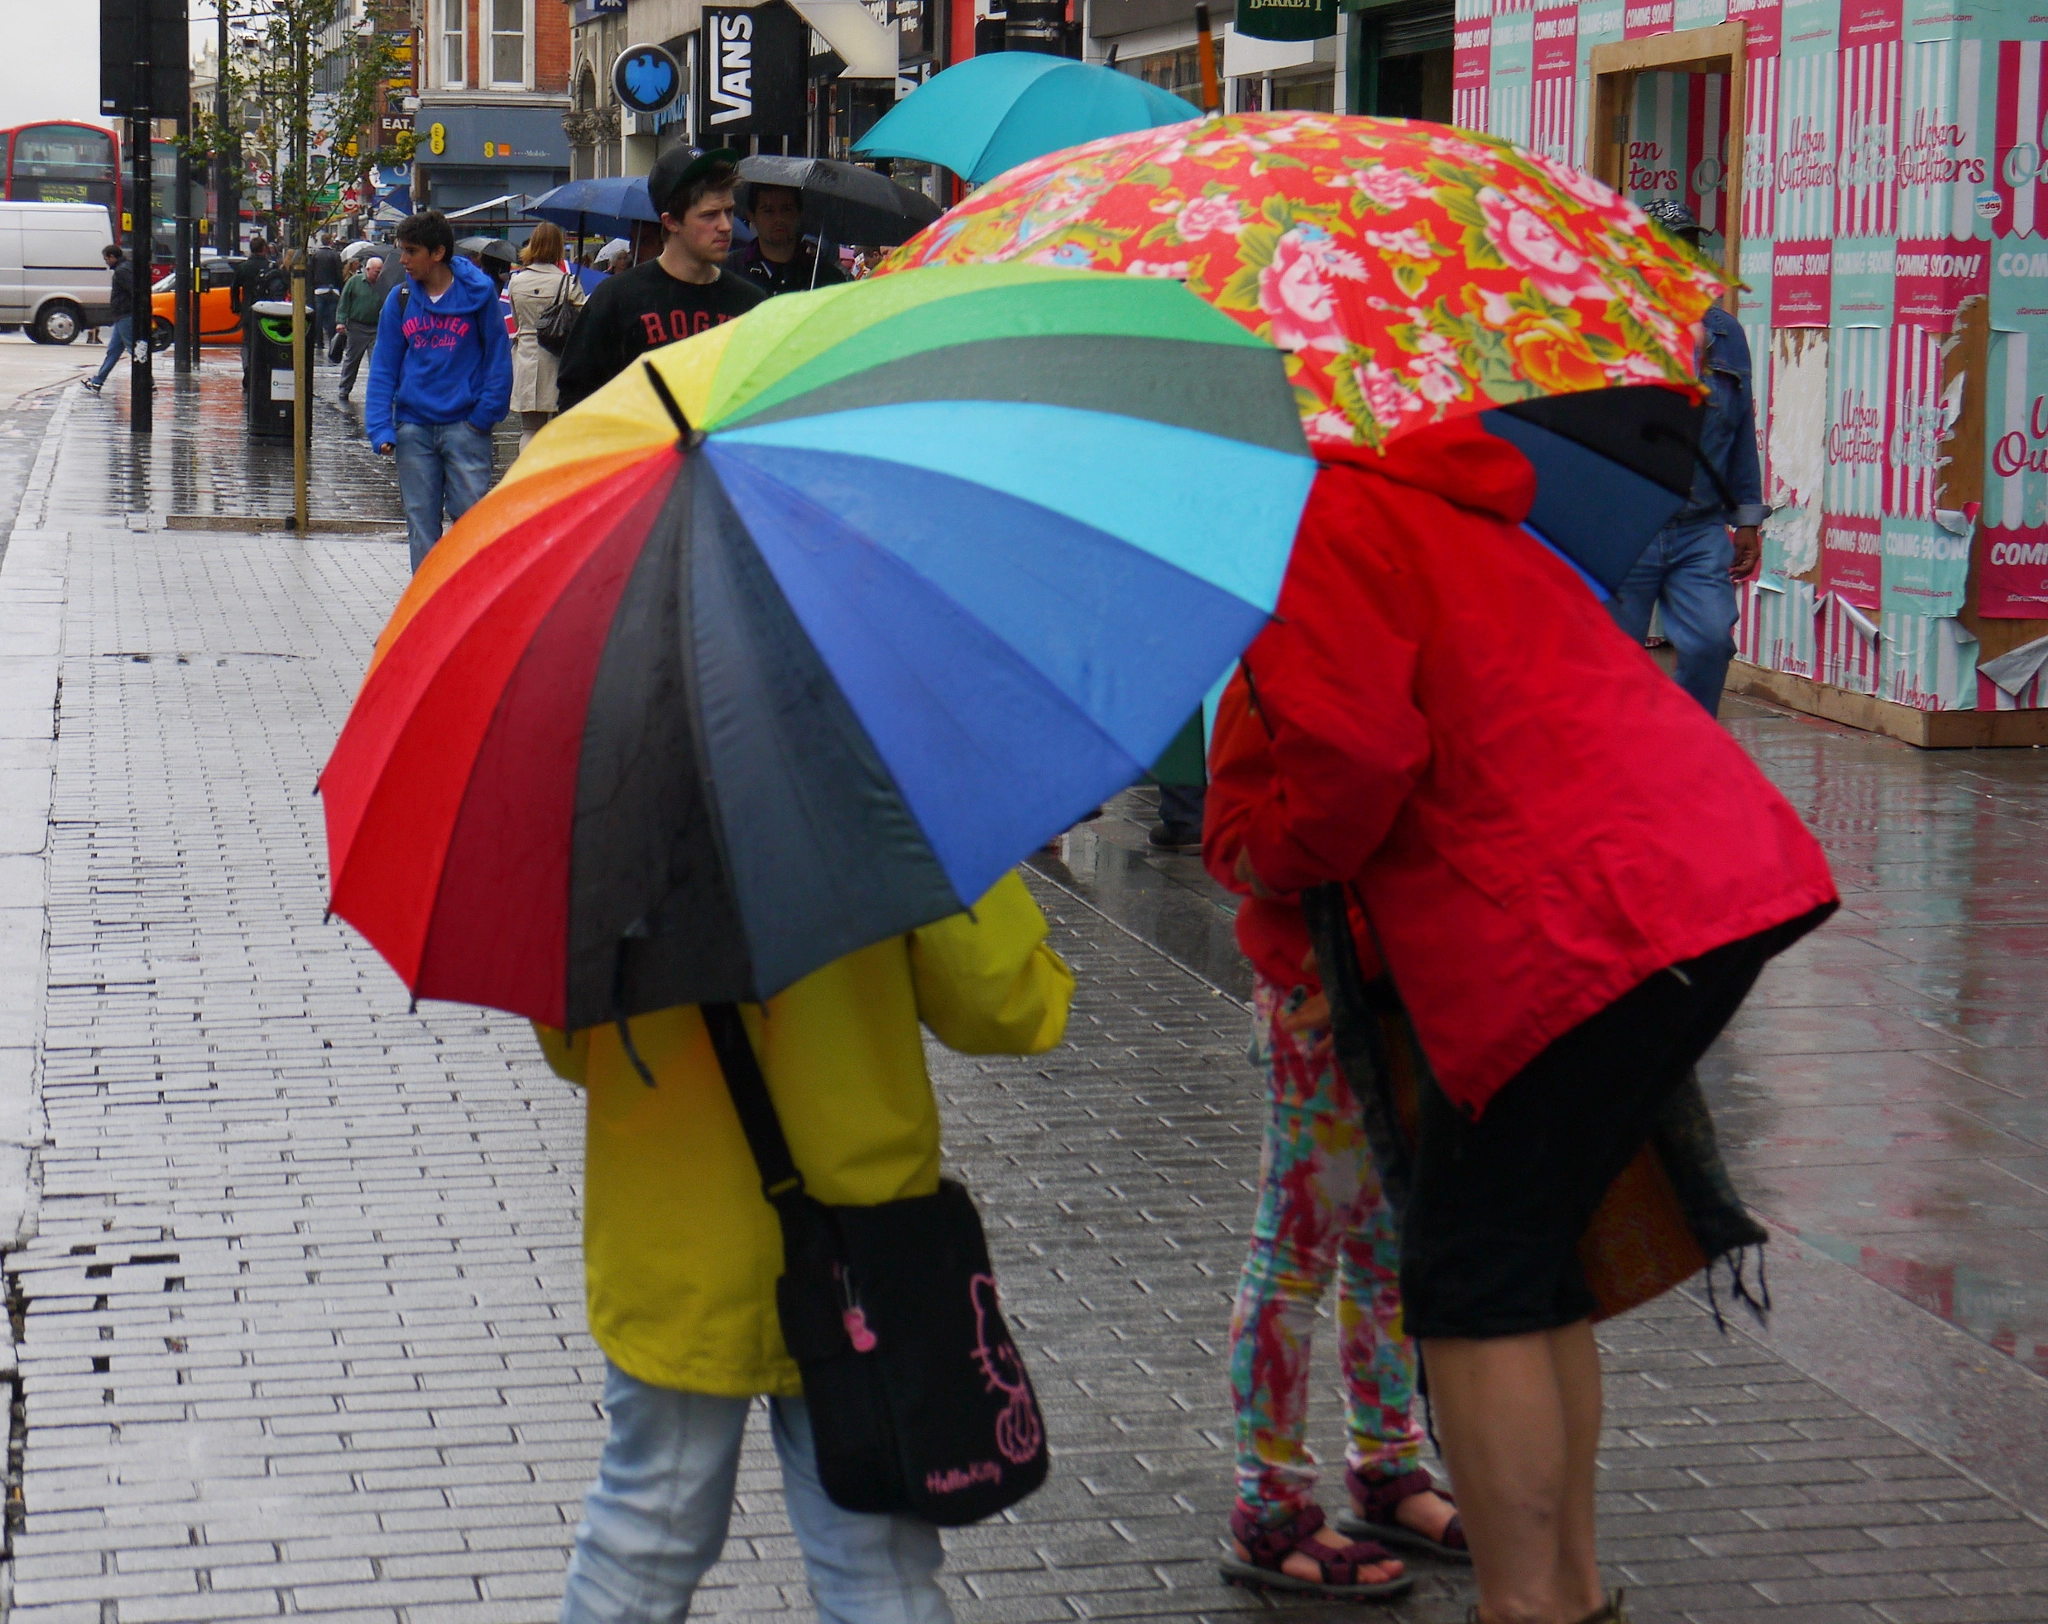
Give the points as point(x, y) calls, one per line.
point(1379, 1500)
point(1270, 1548)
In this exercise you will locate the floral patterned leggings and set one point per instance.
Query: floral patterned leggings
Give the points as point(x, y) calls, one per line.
point(1320, 1214)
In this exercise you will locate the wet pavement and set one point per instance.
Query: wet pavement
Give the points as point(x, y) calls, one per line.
point(200, 463)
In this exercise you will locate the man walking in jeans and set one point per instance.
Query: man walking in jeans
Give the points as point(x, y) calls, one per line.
point(122, 298)
point(440, 379)
point(1690, 570)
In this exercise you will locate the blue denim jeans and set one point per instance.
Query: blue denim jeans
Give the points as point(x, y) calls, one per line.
point(655, 1520)
point(118, 340)
point(440, 465)
point(1685, 571)
point(324, 307)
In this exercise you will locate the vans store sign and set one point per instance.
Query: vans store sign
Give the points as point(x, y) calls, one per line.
point(753, 65)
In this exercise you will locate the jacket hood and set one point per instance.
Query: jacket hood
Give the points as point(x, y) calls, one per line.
point(471, 292)
point(1462, 461)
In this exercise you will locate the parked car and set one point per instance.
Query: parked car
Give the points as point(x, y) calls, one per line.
point(53, 282)
point(218, 322)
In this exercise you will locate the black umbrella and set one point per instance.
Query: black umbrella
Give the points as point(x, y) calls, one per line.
point(487, 248)
point(844, 202)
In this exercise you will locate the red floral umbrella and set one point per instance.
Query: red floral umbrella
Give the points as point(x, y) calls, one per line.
point(1413, 273)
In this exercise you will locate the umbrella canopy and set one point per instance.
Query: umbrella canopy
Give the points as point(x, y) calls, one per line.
point(679, 714)
point(486, 248)
point(845, 202)
point(607, 206)
point(1414, 274)
point(991, 113)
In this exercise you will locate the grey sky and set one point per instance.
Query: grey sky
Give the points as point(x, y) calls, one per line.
point(51, 67)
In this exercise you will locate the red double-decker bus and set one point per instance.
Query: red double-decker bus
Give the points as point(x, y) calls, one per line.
point(58, 161)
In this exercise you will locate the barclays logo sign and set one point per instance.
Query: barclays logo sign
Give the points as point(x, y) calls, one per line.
point(646, 79)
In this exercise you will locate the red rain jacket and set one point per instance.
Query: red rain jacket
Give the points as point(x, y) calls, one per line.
point(1535, 817)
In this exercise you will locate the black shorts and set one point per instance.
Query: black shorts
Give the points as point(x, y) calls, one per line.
point(1490, 1240)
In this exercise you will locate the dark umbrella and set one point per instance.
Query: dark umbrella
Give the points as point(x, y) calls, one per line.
point(844, 202)
point(487, 248)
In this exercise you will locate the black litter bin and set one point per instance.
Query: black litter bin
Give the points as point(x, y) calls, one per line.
point(271, 388)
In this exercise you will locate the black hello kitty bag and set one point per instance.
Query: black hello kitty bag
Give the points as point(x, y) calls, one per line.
point(918, 1397)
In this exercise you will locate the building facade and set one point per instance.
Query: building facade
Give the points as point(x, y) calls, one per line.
point(494, 79)
point(841, 63)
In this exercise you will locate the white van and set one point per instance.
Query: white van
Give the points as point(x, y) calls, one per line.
point(53, 282)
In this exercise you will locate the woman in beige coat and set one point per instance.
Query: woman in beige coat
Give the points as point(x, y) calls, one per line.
point(541, 279)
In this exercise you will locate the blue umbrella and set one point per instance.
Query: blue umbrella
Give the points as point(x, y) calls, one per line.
point(994, 112)
point(608, 205)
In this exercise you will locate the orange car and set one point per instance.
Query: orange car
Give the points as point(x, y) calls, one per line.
point(218, 321)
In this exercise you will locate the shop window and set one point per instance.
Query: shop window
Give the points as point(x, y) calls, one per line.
point(1305, 96)
point(508, 42)
point(454, 46)
point(1177, 71)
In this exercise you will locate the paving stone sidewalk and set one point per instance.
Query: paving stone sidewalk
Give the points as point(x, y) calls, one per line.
point(300, 1330)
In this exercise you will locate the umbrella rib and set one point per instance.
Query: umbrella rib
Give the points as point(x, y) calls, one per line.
point(682, 418)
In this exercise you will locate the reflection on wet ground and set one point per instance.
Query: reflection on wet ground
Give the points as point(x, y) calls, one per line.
point(201, 460)
point(1168, 900)
point(1884, 1094)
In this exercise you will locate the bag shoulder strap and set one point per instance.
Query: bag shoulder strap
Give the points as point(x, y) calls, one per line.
point(780, 1181)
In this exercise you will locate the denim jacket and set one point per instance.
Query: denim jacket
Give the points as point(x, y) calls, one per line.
point(1728, 436)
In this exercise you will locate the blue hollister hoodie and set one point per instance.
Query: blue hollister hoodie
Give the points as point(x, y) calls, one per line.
point(439, 363)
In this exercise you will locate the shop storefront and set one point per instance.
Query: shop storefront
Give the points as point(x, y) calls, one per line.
point(1870, 172)
point(467, 153)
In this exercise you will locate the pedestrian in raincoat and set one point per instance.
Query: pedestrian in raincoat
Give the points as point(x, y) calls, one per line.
point(542, 281)
point(1443, 721)
point(681, 1250)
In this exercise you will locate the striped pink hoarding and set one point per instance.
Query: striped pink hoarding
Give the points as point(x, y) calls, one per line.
point(2018, 173)
point(1867, 164)
point(1759, 149)
point(1471, 66)
point(1554, 82)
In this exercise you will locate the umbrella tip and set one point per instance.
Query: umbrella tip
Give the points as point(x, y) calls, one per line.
point(684, 431)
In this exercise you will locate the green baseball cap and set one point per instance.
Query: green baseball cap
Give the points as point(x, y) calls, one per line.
point(678, 169)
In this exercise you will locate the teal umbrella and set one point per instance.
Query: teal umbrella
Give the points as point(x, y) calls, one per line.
point(994, 112)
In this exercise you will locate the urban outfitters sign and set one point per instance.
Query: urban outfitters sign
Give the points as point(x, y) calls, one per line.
point(753, 61)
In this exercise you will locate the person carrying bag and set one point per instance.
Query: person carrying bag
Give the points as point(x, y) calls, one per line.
point(546, 300)
point(703, 1295)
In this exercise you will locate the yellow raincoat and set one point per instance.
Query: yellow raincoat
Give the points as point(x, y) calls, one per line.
point(680, 1249)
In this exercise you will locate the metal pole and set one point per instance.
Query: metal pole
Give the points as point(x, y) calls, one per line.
point(227, 226)
point(186, 304)
point(302, 392)
point(141, 252)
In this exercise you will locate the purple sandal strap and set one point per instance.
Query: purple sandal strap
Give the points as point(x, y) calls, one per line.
point(1270, 1545)
point(1378, 1496)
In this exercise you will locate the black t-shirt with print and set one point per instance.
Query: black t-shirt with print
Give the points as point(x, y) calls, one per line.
point(640, 310)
